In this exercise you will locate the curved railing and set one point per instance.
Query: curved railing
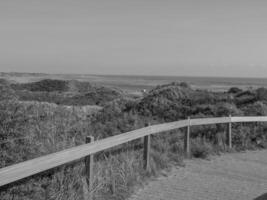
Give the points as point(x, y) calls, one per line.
point(28, 168)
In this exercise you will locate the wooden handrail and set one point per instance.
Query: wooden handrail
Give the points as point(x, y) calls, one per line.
point(28, 168)
point(207, 121)
point(249, 119)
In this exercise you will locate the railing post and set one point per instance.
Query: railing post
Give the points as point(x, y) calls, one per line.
point(146, 155)
point(89, 164)
point(229, 133)
point(187, 140)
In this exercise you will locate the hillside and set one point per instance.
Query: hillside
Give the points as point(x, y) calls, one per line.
point(64, 92)
point(177, 101)
point(33, 128)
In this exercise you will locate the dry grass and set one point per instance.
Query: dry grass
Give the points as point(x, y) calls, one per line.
point(30, 130)
point(33, 129)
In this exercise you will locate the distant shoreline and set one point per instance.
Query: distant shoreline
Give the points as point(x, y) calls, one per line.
point(133, 83)
point(130, 76)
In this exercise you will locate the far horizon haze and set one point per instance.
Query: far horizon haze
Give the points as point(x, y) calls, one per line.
point(210, 38)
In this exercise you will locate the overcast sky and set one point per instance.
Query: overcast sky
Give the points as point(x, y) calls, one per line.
point(147, 37)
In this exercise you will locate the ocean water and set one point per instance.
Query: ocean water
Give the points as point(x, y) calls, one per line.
point(208, 83)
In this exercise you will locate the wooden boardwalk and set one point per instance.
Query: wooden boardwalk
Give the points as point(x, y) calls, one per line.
point(236, 176)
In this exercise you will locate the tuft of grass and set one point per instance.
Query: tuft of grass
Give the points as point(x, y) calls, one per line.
point(200, 149)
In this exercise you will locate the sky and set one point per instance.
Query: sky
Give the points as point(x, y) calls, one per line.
point(135, 37)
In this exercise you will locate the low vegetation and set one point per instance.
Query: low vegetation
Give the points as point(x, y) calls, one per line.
point(30, 128)
point(64, 92)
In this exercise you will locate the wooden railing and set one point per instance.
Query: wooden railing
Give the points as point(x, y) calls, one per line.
point(28, 168)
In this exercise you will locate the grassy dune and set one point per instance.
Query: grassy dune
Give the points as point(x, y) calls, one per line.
point(32, 128)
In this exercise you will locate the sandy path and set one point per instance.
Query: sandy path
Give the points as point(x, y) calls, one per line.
point(237, 176)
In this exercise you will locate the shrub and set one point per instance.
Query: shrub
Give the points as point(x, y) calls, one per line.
point(245, 97)
point(200, 149)
point(234, 90)
point(261, 94)
point(256, 109)
point(241, 137)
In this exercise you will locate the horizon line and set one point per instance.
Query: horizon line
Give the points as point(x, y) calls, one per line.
point(135, 75)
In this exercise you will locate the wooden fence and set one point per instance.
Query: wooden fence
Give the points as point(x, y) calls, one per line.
point(28, 168)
